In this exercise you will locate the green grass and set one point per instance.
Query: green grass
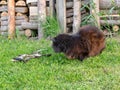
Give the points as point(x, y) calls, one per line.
point(56, 72)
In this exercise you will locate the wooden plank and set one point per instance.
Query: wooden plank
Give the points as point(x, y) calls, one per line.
point(61, 14)
point(11, 19)
point(3, 8)
point(31, 1)
point(95, 12)
point(51, 3)
point(110, 22)
point(28, 25)
point(76, 15)
point(33, 10)
point(42, 16)
point(21, 9)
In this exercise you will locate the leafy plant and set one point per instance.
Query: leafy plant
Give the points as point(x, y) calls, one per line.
point(51, 27)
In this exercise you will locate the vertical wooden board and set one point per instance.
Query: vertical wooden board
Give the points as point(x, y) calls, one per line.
point(11, 18)
point(33, 10)
point(42, 16)
point(30, 1)
point(95, 12)
point(51, 3)
point(61, 14)
point(76, 15)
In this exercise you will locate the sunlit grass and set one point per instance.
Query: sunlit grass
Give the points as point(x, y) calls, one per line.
point(57, 72)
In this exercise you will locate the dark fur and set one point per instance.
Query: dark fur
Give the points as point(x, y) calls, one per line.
point(88, 41)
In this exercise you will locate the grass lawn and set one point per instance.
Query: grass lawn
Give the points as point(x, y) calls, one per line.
point(56, 72)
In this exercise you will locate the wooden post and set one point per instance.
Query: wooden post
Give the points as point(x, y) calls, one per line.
point(76, 15)
point(95, 12)
point(41, 16)
point(61, 14)
point(11, 19)
point(51, 3)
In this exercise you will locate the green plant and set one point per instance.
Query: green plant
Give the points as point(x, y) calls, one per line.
point(51, 27)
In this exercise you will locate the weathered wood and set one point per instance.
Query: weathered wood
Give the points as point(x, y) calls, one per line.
point(3, 8)
point(95, 12)
point(61, 7)
point(110, 17)
point(4, 14)
point(20, 3)
point(115, 28)
point(35, 17)
point(110, 22)
point(110, 12)
point(29, 32)
point(5, 28)
point(69, 4)
point(31, 1)
point(4, 18)
point(69, 20)
point(51, 6)
point(76, 15)
point(42, 16)
point(107, 4)
point(33, 10)
point(19, 27)
point(18, 22)
point(21, 9)
point(3, 2)
point(11, 19)
point(28, 25)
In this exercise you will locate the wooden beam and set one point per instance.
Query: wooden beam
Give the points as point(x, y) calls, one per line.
point(76, 15)
point(95, 12)
point(61, 14)
point(11, 19)
point(41, 16)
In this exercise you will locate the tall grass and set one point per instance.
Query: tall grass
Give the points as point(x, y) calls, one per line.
point(51, 27)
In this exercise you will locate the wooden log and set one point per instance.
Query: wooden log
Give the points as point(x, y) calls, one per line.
point(35, 17)
point(33, 10)
point(19, 27)
point(18, 22)
point(3, 2)
point(76, 15)
point(4, 14)
point(69, 10)
point(48, 11)
point(51, 6)
point(20, 3)
point(21, 17)
point(110, 12)
point(61, 7)
point(69, 4)
point(115, 28)
point(5, 28)
point(3, 8)
point(69, 20)
point(29, 32)
point(33, 21)
point(30, 1)
point(110, 17)
point(69, 14)
point(28, 25)
point(11, 19)
point(21, 10)
point(107, 4)
point(4, 18)
point(110, 22)
point(42, 16)
point(95, 12)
